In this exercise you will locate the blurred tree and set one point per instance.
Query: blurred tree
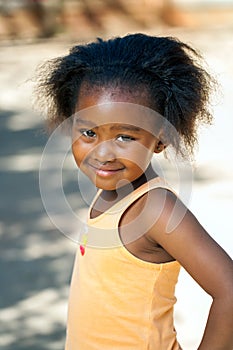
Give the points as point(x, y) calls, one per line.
point(84, 18)
point(29, 18)
point(171, 15)
point(93, 11)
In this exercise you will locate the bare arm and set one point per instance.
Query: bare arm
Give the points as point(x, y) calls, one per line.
point(205, 261)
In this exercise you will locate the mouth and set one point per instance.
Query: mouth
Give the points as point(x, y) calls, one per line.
point(106, 170)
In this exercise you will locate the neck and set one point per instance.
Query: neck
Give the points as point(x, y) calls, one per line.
point(121, 192)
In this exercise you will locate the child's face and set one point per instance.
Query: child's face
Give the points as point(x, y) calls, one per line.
point(108, 144)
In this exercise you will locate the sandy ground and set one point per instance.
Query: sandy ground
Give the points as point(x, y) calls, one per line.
point(36, 259)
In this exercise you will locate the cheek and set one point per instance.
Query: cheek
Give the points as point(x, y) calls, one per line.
point(79, 152)
point(140, 154)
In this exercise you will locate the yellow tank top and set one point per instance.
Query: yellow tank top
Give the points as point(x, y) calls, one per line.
point(118, 301)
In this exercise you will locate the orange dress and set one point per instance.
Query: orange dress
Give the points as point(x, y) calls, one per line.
point(118, 301)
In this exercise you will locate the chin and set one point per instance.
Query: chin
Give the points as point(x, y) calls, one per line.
point(105, 187)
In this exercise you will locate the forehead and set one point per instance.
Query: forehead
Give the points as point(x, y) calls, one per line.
point(109, 106)
point(90, 95)
point(120, 113)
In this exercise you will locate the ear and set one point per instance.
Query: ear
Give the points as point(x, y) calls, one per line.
point(159, 147)
point(161, 143)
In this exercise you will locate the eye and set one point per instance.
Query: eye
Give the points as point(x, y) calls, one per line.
point(88, 133)
point(125, 138)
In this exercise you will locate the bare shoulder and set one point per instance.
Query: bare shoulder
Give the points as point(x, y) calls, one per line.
point(157, 204)
point(179, 232)
point(165, 221)
point(161, 205)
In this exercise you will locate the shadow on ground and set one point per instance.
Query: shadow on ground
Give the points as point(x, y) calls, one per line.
point(35, 258)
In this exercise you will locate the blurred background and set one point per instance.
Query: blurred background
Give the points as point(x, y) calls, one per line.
point(35, 258)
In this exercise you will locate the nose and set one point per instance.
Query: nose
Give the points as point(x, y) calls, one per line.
point(104, 152)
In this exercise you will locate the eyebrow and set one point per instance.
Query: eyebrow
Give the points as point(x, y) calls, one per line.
point(119, 127)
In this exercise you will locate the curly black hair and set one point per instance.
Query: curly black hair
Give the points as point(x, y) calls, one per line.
point(170, 71)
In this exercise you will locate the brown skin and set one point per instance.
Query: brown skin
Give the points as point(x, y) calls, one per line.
point(187, 242)
point(197, 252)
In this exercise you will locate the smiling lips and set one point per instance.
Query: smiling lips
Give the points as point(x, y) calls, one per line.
point(107, 169)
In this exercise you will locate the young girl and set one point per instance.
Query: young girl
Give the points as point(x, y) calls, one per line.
point(129, 98)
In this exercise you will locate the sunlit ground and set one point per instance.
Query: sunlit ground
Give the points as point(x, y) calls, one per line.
point(36, 260)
